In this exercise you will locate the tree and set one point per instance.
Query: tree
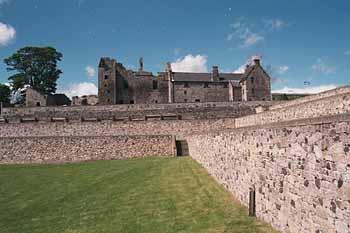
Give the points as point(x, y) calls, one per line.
point(36, 67)
point(5, 92)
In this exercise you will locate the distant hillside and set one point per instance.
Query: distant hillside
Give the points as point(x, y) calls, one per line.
point(285, 96)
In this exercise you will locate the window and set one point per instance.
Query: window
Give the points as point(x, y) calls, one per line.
point(38, 104)
point(252, 80)
point(185, 92)
point(121, 102)
point(107, 92)
point(155, 84)
point(197, 100)
point(105, 85)
point(106, 76)
point(156, 101)
point(108, 100)
point(206, 85)
point(132, 102)
point(253, 91)
point(225, 85)
point(186, 85)
point(185, 100)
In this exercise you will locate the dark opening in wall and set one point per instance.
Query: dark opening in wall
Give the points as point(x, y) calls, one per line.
point(206, 85)
point(197, 100)
point(185, 92)
point(132, 102)
point(252, 79)
point(252, 211)
point(186, 85)
point(155, 84)
point(156, 101)
point(106, 76)
point(38, 104)
point(121, 101)
point(225, 85)
point(185, 100)
point(253, 91)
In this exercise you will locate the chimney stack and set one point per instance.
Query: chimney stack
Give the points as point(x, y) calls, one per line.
point(256, 61)
point(215, 73)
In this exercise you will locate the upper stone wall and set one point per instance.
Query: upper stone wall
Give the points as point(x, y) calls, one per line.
point(325, 94)
point(307, 107)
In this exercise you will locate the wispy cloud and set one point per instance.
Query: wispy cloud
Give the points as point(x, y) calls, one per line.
point(2, 2)
point(305, 90)
point(243, 32)
point(282, 69)
point(252, 34)
point(7, 34)
point(177, 51)
point(190, 63)
point(274, 24)
point(90, 71)
point(323, 67)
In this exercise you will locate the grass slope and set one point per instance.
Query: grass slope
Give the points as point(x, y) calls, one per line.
point(155, 195)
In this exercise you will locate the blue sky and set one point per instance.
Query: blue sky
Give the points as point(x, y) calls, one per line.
point(304, 42)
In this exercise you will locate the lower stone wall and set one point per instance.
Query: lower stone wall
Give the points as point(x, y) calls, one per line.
point(301, 174)
point(75, 149)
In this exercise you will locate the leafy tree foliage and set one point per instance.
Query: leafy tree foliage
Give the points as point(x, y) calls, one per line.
point(36, 67)
point(5, 92)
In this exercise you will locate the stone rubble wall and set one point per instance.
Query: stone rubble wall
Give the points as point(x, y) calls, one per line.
point(333, 105)
point(301, 174)
point(77, 149)
point(188, 111)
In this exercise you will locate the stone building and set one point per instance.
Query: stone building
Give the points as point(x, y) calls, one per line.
point(33, 98)
point(118, 85)
point(85, 100)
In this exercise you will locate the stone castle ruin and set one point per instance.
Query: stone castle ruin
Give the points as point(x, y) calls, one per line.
point(117, 85)
point(289, 162)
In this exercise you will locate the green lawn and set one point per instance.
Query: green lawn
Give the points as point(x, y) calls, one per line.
point(151, 195)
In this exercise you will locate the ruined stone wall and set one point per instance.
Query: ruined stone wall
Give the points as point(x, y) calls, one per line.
point(301, 174)
point(191, 92)
point(187, 111)
point(148, 90)
point(76, 149)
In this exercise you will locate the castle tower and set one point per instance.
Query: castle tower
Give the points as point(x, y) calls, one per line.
point(107, 83)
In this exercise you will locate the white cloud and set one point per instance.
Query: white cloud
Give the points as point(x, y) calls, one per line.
point(305, 90)
point(79, 89)
point(324, 68)
point(190, 63)
point(90, 71)
point(282, 69)
point(7, 34)
point(274, 24)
